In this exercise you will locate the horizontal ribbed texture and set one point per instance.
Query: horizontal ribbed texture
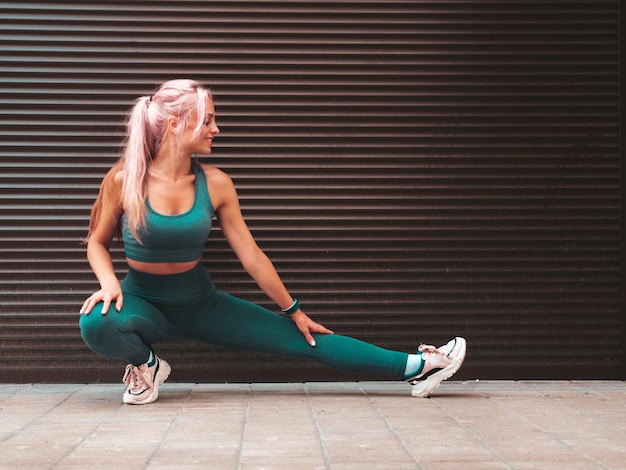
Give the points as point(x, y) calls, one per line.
point(416, 170)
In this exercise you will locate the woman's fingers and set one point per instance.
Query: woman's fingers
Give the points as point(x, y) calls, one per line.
point(308, 326)
point(106, 297)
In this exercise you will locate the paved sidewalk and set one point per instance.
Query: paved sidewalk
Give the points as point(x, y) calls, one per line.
point(352, 425)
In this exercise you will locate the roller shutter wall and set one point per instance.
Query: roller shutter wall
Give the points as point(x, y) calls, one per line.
point(416, 170)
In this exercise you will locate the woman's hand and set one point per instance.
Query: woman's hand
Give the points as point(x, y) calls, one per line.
point(308, 326)
point(107, 296)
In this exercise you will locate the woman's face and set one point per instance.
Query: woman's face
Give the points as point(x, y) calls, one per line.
point(202, 144)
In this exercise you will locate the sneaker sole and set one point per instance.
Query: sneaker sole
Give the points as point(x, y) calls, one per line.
point(161, 376)
point(430, 384)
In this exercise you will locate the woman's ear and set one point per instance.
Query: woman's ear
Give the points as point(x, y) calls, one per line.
point(172, 124)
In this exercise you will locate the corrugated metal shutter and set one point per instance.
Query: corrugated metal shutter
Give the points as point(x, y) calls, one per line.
point(416, 170)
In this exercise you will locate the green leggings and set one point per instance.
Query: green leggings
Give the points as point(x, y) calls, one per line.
point(188, 306)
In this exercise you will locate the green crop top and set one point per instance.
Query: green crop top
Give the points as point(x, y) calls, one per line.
point(173, 238)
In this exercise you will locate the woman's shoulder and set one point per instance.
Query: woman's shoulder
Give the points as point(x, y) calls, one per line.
point(215, 176)
point(115, 176)
point(221, 187)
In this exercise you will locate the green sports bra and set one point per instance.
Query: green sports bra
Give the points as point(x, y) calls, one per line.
point(173, 238)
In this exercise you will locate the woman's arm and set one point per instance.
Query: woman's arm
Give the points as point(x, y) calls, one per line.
point(254, 261)
point(104, 218)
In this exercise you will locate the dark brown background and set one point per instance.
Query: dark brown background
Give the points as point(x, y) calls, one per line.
point(416, 170)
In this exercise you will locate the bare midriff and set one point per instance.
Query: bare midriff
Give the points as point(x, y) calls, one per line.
point(162, 268)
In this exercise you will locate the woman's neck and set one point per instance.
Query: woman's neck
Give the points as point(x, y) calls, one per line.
point(170, 165)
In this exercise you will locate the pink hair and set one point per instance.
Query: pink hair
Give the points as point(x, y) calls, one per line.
point(146, 128)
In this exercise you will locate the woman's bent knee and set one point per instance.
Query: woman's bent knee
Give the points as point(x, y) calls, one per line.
point(95, 328)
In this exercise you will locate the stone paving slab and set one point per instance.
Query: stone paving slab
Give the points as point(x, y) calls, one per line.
point(339, 426)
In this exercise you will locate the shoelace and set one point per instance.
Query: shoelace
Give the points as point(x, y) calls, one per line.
point(428, 348)
point(443, 358)
point(133, 378)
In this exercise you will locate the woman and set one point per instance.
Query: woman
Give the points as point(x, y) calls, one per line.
point(163, 202)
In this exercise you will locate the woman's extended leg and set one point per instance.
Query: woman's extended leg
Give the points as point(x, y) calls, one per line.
point(239, 324)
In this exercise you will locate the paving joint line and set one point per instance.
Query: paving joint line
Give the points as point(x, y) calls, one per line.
point(169, 428)
point(490, 449)
point(317, 427)
point(246, 418)
point(85, 438)
point(38, 418)
point(392, 429)
point(549, 434)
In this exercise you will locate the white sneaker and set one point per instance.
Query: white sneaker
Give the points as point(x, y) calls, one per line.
point(142, 382)
point(439, 365)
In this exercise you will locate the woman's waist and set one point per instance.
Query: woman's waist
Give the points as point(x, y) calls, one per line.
point(168, 285)
point(162, 268)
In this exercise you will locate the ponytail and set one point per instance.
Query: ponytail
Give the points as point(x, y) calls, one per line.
point(136, 159)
